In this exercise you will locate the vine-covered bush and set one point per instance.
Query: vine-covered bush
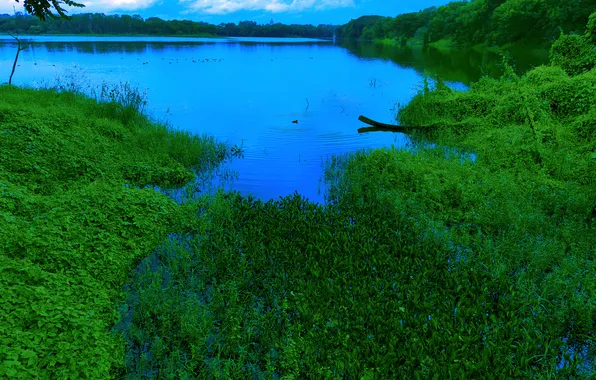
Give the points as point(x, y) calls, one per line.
point(576, 54)
point(534, 218)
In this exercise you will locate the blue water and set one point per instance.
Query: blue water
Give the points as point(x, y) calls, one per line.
point(247, 92)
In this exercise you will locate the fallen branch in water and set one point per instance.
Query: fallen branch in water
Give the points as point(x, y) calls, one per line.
point(377, 126)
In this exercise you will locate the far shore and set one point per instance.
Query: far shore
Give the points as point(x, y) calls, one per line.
point(205, 36)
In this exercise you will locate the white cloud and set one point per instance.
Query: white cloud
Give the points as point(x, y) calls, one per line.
point(113, 5)
point(273, 6)
point(199, 6)
point(6, 6)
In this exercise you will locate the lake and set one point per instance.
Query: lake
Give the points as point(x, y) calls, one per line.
point(289, 103)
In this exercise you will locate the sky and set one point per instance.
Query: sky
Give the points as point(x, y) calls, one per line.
point(262, 11)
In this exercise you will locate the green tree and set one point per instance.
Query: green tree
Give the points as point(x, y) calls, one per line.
point(513, 18)
point(43, 9)
point(591, 28)
point(576, 54)
point(354, 28)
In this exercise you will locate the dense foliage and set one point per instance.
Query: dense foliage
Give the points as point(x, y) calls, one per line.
point(490, 22)
point(576, 54)
point(354, 28)
point(74, 222)
point(42, 9)
point(98, 23)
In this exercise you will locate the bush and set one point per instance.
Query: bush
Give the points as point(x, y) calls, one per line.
point(574, 54)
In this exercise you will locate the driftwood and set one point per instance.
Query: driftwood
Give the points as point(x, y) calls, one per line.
point(376, 126)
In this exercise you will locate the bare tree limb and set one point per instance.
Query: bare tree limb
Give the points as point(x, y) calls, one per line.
point(16, 58)
point(377, 126)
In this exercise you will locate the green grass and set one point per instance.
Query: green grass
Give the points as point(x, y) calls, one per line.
point(74, 221)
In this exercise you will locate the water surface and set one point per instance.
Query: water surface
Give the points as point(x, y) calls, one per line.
point(290, 103)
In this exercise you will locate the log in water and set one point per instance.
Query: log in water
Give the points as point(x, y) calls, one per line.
point(377, 126)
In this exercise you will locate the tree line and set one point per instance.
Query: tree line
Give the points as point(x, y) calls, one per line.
point(99, 23)
point(475, 22)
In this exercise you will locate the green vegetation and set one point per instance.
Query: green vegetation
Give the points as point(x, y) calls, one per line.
point(575, 53)
point(485, 22)
point(470, 255)
point(452, 65)
point(425, 263)
point(100, 24)
point(354, 28)
point(75, 219)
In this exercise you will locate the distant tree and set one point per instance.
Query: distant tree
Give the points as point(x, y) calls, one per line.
point(591, 28)
point(42, 9)
point(354, 28)
point(98, 23)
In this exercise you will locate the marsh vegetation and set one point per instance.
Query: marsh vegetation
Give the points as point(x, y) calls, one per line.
point(469, 254)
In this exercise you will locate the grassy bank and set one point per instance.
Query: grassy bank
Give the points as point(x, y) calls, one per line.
point(521, 215)
point(448, 44)
point(75, 220)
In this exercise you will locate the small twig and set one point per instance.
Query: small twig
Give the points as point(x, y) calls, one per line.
point(307, 104)
point(166, 115)
point(342, 110)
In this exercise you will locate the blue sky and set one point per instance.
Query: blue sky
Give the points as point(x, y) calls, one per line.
point(261, 11)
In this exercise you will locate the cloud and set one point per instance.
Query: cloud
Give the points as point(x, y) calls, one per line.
point(6, 6)
point(214, 7)
point(273, 6)
point(110, 5)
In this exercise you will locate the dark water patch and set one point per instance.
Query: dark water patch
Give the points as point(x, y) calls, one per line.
point(465, 66)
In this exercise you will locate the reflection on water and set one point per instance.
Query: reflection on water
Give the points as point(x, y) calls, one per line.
point(248, 92)
point(457, 66)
